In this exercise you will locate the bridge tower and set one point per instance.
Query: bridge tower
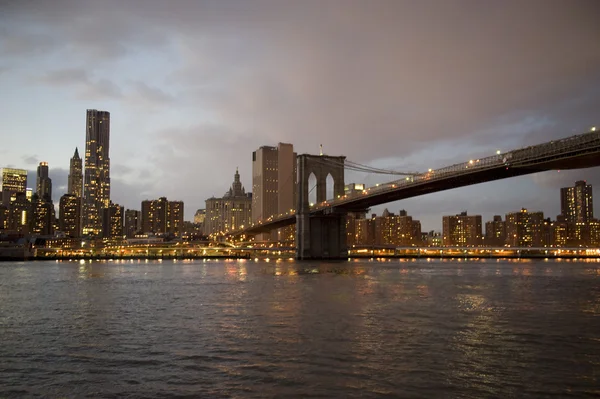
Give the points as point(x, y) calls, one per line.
point(321, 236)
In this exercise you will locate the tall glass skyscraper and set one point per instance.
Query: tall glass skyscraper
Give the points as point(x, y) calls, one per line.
point(96, 186)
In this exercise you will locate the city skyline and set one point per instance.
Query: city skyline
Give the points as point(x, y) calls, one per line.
point(309, 75)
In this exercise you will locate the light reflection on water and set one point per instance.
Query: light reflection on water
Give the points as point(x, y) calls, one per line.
point(400, 327)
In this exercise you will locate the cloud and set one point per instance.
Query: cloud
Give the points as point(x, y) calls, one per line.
point(30, 159)
point(88, 87)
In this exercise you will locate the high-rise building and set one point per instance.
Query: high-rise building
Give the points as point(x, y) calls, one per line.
point(397, 230)
point(162, 216)
point(43, 216)
point(75, 183)
point(3, 217)
point(576, 203)
point(43, 183)
point(274, 182)
point(112, 221)
point(495, 232)
point(461, 230)
point(12, 181)
point(133, 222)
point(96, 193)
point(70, 215)
point(20, 215)
point(230, 212)
point(525, 229)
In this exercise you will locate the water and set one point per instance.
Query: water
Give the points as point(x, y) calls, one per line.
point(412, 329)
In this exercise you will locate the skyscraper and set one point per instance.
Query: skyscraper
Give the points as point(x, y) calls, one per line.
point(75, 185)
point(162, 217)
point(43, 183)
point(96, 195)
point(576, 203)
point(274, 184)
point(12, 181)
point(70, 215)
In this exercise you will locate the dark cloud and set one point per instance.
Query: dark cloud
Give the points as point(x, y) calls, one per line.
point(88, 87)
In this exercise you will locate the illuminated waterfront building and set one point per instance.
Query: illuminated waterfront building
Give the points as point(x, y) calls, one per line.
point(594, 233)
point(70, 215)
point(133, 222)
point(559, 233)
point(274, 179)
point(112, 221)
point(162, 217)
point(12, 181)
point(576, 203)
point(397, 230)
point(495, 232)
point(75, 182)
point(461, 230)
point(96, 192)
point(20, 215)
point(525, 229)
point(230, 212)
point(43, 182)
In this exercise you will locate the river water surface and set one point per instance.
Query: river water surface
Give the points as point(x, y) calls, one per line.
point(401, 328)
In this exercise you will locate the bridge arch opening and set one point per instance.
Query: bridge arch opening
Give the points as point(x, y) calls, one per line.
point(329, 182)
point(312, 189)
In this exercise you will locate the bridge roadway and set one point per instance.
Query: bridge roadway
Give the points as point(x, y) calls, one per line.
point(575, 152)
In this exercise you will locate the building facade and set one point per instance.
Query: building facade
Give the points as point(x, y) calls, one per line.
point(274, 182)
point(462, 230)
point(133, 222)
point(525, 229)
point(495, 232)
point(70, 215)
point(230, 212)
point(162, 216)
point(576, 203)
point(96, 192)
point(75, 181)
point(112, 221)
point(12, 181)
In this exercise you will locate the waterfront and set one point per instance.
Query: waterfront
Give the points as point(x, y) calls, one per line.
point(215, 328)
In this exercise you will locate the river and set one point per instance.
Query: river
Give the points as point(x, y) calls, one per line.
point(253, 329)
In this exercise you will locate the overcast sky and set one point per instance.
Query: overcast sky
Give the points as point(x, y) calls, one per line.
point(193, 87)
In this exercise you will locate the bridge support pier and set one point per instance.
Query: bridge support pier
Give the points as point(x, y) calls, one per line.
point(323, 235)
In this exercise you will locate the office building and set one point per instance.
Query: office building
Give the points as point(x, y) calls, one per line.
point(230, 212)
point(461, 230)
point(162, 217)
point(75, 182)
point(20, 215)
point(12, 181)
point(43, 183)
point(274, 181)
point(112, 221)
point(96, 186)
point(43, 216)
point(525, 229)
point(70, 215)
point(495, 232)
point(133, 223)
point(576, 203)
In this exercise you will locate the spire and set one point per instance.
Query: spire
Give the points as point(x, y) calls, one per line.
point(76, 153)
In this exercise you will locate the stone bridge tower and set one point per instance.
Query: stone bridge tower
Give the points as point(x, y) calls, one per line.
point(323, 235)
